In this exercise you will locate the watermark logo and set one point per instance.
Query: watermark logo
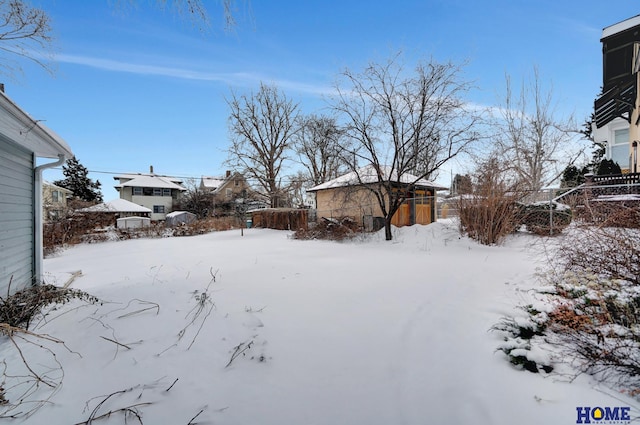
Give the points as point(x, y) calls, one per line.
point(603, 415)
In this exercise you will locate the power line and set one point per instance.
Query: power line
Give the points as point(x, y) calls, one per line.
point(116, 173)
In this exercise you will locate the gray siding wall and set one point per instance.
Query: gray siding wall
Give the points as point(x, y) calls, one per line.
point(16, 217)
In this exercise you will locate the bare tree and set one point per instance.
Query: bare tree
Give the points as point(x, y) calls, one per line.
point(197, 200)
point(262, 126)
point(25, 32)
point(404, 125)
point(320, 143)
point(533, 140)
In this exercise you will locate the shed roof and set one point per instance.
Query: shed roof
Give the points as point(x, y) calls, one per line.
point(18, 126)
point(368, 175)
point(179, 213)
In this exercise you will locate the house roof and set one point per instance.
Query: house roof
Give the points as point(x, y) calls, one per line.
point(116, 206)
point(620, 26)
point(368, 175)
point(49, 184)
point(20, 128)
point(145, 180)
point(212, 182)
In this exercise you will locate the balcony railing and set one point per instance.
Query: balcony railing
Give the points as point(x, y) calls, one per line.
point(614, 179)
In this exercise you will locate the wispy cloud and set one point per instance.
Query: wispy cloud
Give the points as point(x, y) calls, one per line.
point(239, 79)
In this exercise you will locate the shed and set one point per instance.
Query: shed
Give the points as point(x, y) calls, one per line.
point(355, 194)
point(133, 222)
point(177, 218)
point(22, 141)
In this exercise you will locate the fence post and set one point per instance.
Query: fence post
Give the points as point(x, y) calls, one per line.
point(550, 211)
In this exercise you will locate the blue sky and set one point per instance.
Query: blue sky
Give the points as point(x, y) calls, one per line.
point(137, 86)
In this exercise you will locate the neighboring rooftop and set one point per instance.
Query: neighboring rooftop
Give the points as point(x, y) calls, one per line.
point(212, 182)
point(368, 175)
point(117, 206)
point(147, 180)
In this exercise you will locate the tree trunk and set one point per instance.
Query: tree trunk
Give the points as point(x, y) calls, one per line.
point(387, 228)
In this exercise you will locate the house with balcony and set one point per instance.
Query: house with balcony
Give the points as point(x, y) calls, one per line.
point(617, 118)
point(616, 126)
point(161, 194)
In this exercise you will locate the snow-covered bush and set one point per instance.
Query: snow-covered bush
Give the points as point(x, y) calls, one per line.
point(545, 218)
point(592, 313)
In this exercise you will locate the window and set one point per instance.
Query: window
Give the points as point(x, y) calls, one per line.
point(157, 191)
point(237, 182)
point(620, 148)
point(55, 196)
point(229, 193)
point(158, 209)
point(137, 191)
point(166, 192)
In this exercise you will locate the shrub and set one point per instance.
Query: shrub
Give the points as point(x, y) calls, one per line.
point(18, 309)
point(488, 219)
point(545, 218)
point(592, 313)
point(330, 229)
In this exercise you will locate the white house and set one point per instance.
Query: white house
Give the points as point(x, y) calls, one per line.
point(161, 194)
point(22, 141)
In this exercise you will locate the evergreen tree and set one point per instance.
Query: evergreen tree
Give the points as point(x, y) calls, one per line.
point(78, 183)
point(598, 148)
point(462, 184)
point(572, 176)
point(608, 166)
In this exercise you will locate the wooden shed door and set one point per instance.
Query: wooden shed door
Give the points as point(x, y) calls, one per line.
point(402, 217)
point(423, 214)
point(16, 217)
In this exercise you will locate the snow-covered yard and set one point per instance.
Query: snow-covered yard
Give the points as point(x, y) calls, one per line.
point(363, 332)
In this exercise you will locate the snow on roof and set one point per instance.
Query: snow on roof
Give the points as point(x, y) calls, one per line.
point(212, 182)
point(48, 183)
point(39, 139)
point(368, 175)
point(130, 176)
point(620, 26)
point(117, 205)
point(151, 181)
point(179, 213)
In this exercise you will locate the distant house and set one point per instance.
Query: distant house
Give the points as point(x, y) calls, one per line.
point(350, 195)
point(22, 141)
point(230, 189)
point(54, 200)
point(227, 188)
point(161, 194)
